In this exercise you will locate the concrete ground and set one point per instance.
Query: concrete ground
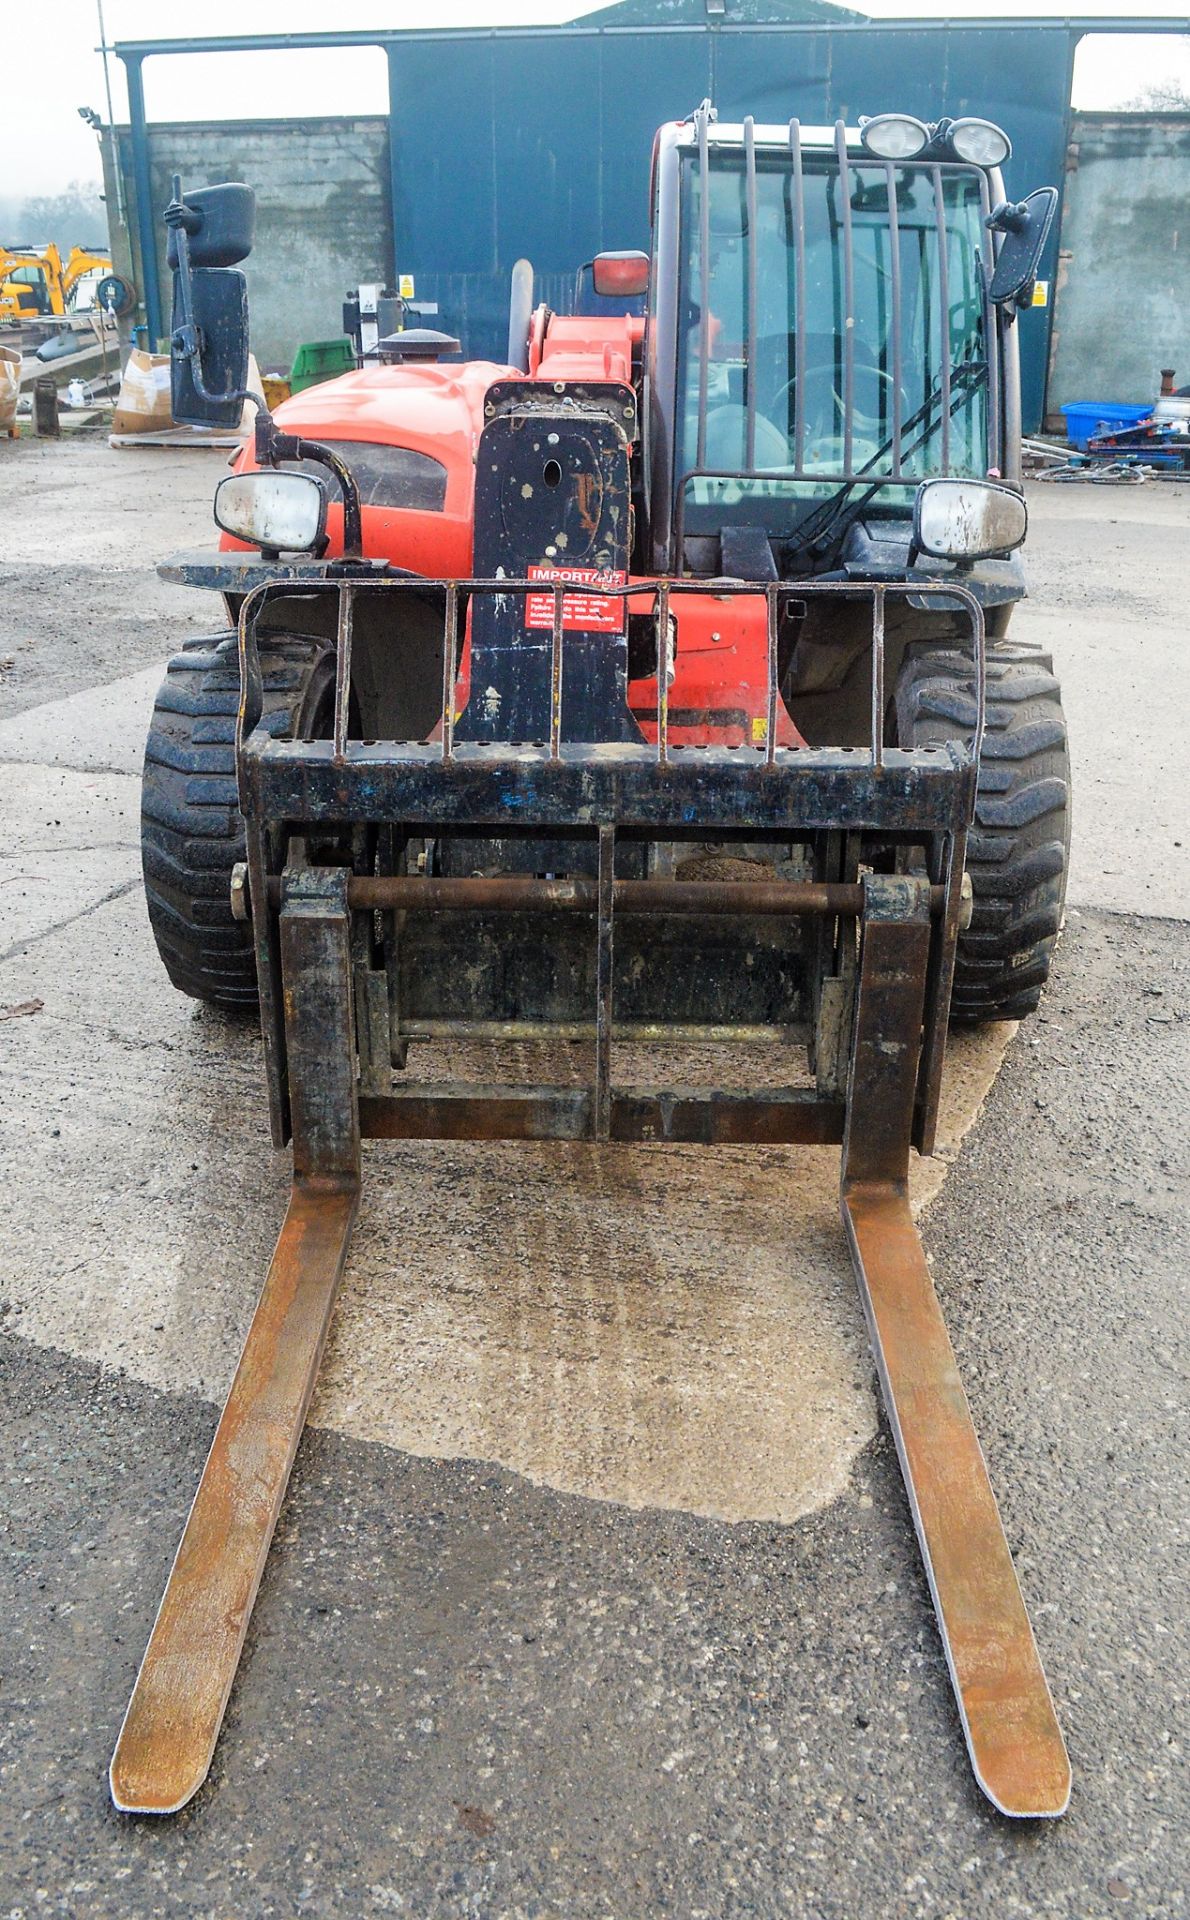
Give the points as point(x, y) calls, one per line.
point(596, 1592)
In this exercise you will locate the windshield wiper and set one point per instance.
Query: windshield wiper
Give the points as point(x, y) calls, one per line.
point(825, 527)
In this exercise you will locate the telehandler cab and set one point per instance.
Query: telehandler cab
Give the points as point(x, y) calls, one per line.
point(652, 687)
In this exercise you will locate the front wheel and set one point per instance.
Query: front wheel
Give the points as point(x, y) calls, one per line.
point(1019, 844)
point(192, 832)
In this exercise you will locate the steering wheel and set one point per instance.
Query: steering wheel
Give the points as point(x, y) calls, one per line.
point(726, 435)
point(867, 422)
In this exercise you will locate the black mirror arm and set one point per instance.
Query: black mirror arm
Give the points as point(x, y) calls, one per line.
point(273, 445)
point(1008, 217)
point(180, 217)
point(184, 221)
point(186, 339)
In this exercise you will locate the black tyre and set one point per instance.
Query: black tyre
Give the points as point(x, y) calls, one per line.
point(1019, 844)
point(192, 833)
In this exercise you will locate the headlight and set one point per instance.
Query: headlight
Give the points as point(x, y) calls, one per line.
point(980, 143)
point(282, 511)
point(894, 136)
point(967, 519)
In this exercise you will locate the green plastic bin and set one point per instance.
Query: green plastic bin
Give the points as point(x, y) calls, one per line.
point(320, 360)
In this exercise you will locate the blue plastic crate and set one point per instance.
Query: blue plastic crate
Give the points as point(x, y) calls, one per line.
point(1084, 418)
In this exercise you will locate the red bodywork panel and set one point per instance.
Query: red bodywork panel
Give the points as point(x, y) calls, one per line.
point(717, 696)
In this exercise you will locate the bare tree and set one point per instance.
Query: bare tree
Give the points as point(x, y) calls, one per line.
point(1159, 96)
point(75, 218)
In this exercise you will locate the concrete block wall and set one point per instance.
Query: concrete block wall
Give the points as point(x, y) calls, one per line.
point(1122, 298)
point(323, 214)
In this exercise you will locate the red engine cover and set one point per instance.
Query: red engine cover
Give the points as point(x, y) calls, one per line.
point(718, 692)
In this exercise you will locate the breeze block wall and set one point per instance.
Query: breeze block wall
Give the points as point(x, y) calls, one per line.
point(323, 214)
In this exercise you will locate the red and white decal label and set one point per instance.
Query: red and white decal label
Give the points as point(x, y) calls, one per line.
point(581, 612)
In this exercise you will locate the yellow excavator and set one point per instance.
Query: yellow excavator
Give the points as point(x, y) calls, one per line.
point(35, 285)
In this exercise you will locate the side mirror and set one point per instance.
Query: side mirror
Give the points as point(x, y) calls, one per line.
point(219, 224)
point(620, 276)
point(967, 520)
point(282, 512)
point(1025, 227)
point(207, 389)
point(209, 332)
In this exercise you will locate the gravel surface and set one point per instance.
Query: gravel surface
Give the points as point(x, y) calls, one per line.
point(84, 528)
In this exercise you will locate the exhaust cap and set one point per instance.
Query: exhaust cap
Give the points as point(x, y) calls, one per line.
point(417, 343)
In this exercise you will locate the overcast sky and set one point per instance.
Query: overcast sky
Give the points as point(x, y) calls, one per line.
point(51, 67)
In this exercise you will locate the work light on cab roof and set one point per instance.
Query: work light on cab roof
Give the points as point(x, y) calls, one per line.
point(901, 136)
point(894, 136)
point(980, 142)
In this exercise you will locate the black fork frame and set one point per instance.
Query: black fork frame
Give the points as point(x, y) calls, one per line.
point(293, 789)
point(328, 1090)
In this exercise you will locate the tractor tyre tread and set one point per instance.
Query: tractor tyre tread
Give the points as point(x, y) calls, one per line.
point(1019, 842)
point(192, 833)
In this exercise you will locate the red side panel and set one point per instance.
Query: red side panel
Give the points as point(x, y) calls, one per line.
point(718, 695)
point(431, 409)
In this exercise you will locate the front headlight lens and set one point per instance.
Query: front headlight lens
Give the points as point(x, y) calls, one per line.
point(967, 519)
point(283, 511)
point(894, 136)
point(980, 143)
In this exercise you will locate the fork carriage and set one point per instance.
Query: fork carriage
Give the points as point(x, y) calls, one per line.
point(615, 947)
point(360, 954)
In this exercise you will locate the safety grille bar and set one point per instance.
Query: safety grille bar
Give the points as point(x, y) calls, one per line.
point(954, 384)
point(661, 592)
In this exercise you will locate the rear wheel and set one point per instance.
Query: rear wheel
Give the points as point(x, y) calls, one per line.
point(1019, 843)
point(192, 833)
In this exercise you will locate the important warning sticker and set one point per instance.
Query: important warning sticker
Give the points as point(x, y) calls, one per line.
point(581, 612)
